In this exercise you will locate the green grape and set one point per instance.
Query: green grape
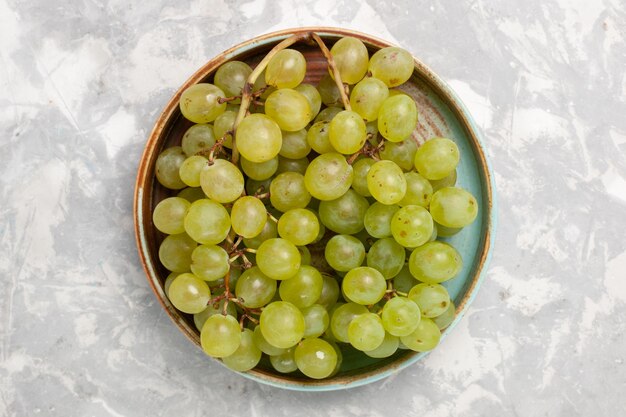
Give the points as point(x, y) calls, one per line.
point(327, 114)
point(313, 97)
point(412, 226)
point(386, 182)
point(189, 294)
point(345, 214)
point(330, 292)
point(207, 222)
point(366, 332)
point(359, 181)
point(197, 138)
point(388, 347)
point(286, 69)
point(364, 285)
point(284, 362)
point(387, 257)
point(299, 226)
point(351, 59)
point(437, 158)
point(292, 165)
point(259, 170)
point(328, 176)
point(448, 181)
point(260, 84)
point(258, 138)
point(424, 338)
point(278, 258)
point(418, 190)
point(269, 231)
point(391, 65)
point(168, 282)
point(282, 324)
point(199, 103)
point(191, 194)
point(175, 252)
point(344, 252)
point(318, 137)
point(377, 219)
point(295, 145)
point(212, 309)
point(248, 216)
point(169, 214)
point(247, 355)
point(288, 191)
point(264, 345)
point(372, 131)
point(444, 320)
point(254, 187)
point(367, 97)
point(167, 165)
point(396, 91)
point(316, 358)
point(329, 92)
point(342, 317)
point(220, 336)
point(316, 320)
point(402, 153)
point(339, 356)
point(444, 231)
point(432, 299)
point(366, 239)
point(255, 288)
point(222, 125)
point(222, 181)
point(397, 118)
point(401, 316)
point(435, 262)
point(303, 289)
point(288, 108)
point(404, 281)
point(305, 255)
point(191, 168)
point(434, 235)
point(232, 76)
point(209, 262)
point(453, 207)
point(347, 132)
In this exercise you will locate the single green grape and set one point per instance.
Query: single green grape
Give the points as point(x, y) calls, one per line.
point(437, 158)
point(315, 358)
point(313, 97)
point(189, 294)
point(198, 138)
point(365, 238)
point(222, 181)
point(444, 320)
point(295, 145)
point(191, 194)
point(259, 170)
point(329, 92)
point(397, 118)
point(412, 226)
point(351, 59)
point(418, 191)
point(341, 318)
point(424, 338)
point(288, 191)
point(284, 362)
point(444, 231)
point(231, 77)
point(258, 138)
point(347, 132)
point(255, 288)
point(288, 108)
point(248, 216)
point(401, 316)
point(387, 257)
point(447, 181)
point(318, 137)
point(254, 187)
point(191, 168)
point(169, 215)
point(269, 231)
point(328, 176)
point(386, 182)
point(209, 262)
point(286, 69)
point(364, 285)
point(224, 124)
point(199, 103)
point(344, 252)
point(435, 262)
point(175, 252)
point(366, 332)
point(299, 226)
point(264, 345)
point(247, 355)
point(304, 288)
point(305, 255)
point(344, 214)
point(327, 114)
point(377, 219)
point(292, 165)
point(453, 207)
point(402, 153)
point(359, 181)
point(367, 97)
point(167, 168)
point(388, 347)
point(220, 336)
point(282, 324)
point(330, 292)
point(207, 222)
point(316, 320)
point(391, 65)
point(278, 258)
point(404, 281)
point(432, 299)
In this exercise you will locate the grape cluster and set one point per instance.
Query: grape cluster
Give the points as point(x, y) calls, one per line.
point(305, 222)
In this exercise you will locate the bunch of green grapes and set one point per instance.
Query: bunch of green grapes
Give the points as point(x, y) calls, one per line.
point(311, 223)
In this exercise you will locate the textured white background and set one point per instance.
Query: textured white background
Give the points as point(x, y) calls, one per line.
point(81, 83)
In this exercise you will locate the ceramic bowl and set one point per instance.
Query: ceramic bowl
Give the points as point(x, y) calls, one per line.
point(441, 113)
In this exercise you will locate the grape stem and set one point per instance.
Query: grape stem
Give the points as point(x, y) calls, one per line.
point(272, 218)
point(333, 67)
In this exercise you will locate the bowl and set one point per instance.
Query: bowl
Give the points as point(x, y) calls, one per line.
point(441, 113)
